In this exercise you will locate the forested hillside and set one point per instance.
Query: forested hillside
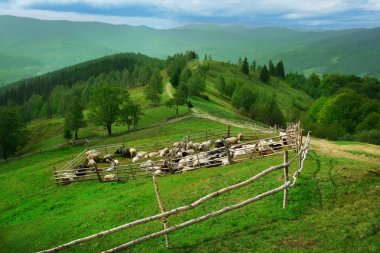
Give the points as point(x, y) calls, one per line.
point(29, 47)
point(120, 91)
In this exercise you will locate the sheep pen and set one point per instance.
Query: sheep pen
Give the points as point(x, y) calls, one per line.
point(171, 155)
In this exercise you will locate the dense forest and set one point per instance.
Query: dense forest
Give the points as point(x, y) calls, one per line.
point(346, 107)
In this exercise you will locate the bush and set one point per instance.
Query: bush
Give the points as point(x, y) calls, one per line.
point(371, 136)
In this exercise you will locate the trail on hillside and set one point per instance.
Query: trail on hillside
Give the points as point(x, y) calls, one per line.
point(331, 149)
point(168, 88)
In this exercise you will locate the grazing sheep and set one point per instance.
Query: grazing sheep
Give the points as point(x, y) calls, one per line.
point(182, 163)
point(116, 162)
point(147, 164)
point(135, 159)
point(92, 151)
point(93, 156)
point(158, 172)
point(110, 177)
point(67, 177)
point(240, 136)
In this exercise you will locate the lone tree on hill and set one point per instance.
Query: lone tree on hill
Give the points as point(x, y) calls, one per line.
point(154, 89)
point(245, 66)
point(74, 116)
point(264, 74)
point(178, 99)
point(280, 70)
point(12, 131)
point(105, 105)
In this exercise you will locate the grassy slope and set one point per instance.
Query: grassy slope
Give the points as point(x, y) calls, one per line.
point(221, 105)
point(333, 207)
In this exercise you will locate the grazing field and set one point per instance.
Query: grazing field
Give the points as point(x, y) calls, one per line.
point(333, 207)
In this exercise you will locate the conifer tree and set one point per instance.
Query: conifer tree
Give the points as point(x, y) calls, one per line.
point(264, 74)
point(245, 66)
point(280, 71)
point(272, 69)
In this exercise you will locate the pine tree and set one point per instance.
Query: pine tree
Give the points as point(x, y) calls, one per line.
point(280, 71)
point(253, 66)
point(264, 74)
point(272, 69)
point(245, 66)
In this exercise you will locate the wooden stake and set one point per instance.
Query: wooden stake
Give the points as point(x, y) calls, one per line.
point(286, 176)
point(97, 173)
point(162, 209)
point(228, 131)
point(226, 146)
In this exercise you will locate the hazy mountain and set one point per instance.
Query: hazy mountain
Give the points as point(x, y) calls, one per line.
point(30, 46)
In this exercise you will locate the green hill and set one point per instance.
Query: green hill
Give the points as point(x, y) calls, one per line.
point(336, 197)
point(51, 45)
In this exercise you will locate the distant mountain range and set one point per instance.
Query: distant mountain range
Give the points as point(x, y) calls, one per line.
point(29, 47)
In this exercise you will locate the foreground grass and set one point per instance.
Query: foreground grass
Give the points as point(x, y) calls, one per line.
point(334, 207)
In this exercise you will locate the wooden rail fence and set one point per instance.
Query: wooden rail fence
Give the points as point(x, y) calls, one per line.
point(301, 155)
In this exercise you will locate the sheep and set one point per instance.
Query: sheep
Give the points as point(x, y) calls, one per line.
point(164, 152)
point(116, 162)
point(274, 145)
point(147, 164)
point(132, 152)
point(107, 158)
point(284, 138)
point(158, 172)
point(67, 177)
point(231, 140)
point(110, 177)
point(93, 156)
point(182, 163)
point(152, 154)
point(91, 163)
point(204, 146)
point(135, 159)
point(124, 152)
point(240, 136)
point(196, 145)
point(189, 145)
point(92, 151)
point(141, 154)
point(219, 143)
point(239, 152)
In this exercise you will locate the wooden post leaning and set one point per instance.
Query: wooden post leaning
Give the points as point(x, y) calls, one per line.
point(97, 173)
point(286, 178)
point(162, 209)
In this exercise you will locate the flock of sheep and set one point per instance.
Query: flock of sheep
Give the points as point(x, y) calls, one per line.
point(180, 157)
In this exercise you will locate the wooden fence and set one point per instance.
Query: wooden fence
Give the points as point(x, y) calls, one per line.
point(128, 171)
point(301, 156)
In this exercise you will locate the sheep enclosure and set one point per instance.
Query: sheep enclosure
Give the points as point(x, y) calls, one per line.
point(171, 155)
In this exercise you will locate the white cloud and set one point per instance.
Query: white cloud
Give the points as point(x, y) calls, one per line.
point(310, 12)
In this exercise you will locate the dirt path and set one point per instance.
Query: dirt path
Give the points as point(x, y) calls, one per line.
point(168, 88)
point(331, 149)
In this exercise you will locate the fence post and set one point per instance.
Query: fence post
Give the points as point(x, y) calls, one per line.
point(162, 209)
point(226, 146)
point(228, 131)
point(286, 177)
point(97, 173)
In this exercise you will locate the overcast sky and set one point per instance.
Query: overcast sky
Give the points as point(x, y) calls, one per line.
point(326, 14)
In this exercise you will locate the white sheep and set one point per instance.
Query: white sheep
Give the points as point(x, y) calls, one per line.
point(189, 145)
point(91, 163)
point(116, 162)
point(152, 154)
point(110, 177)
point(133, 152)
point(231, 140)
point(163, 152)
point(196, 145)
point(141, 154)
point(135, 159)
point(204, 146)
